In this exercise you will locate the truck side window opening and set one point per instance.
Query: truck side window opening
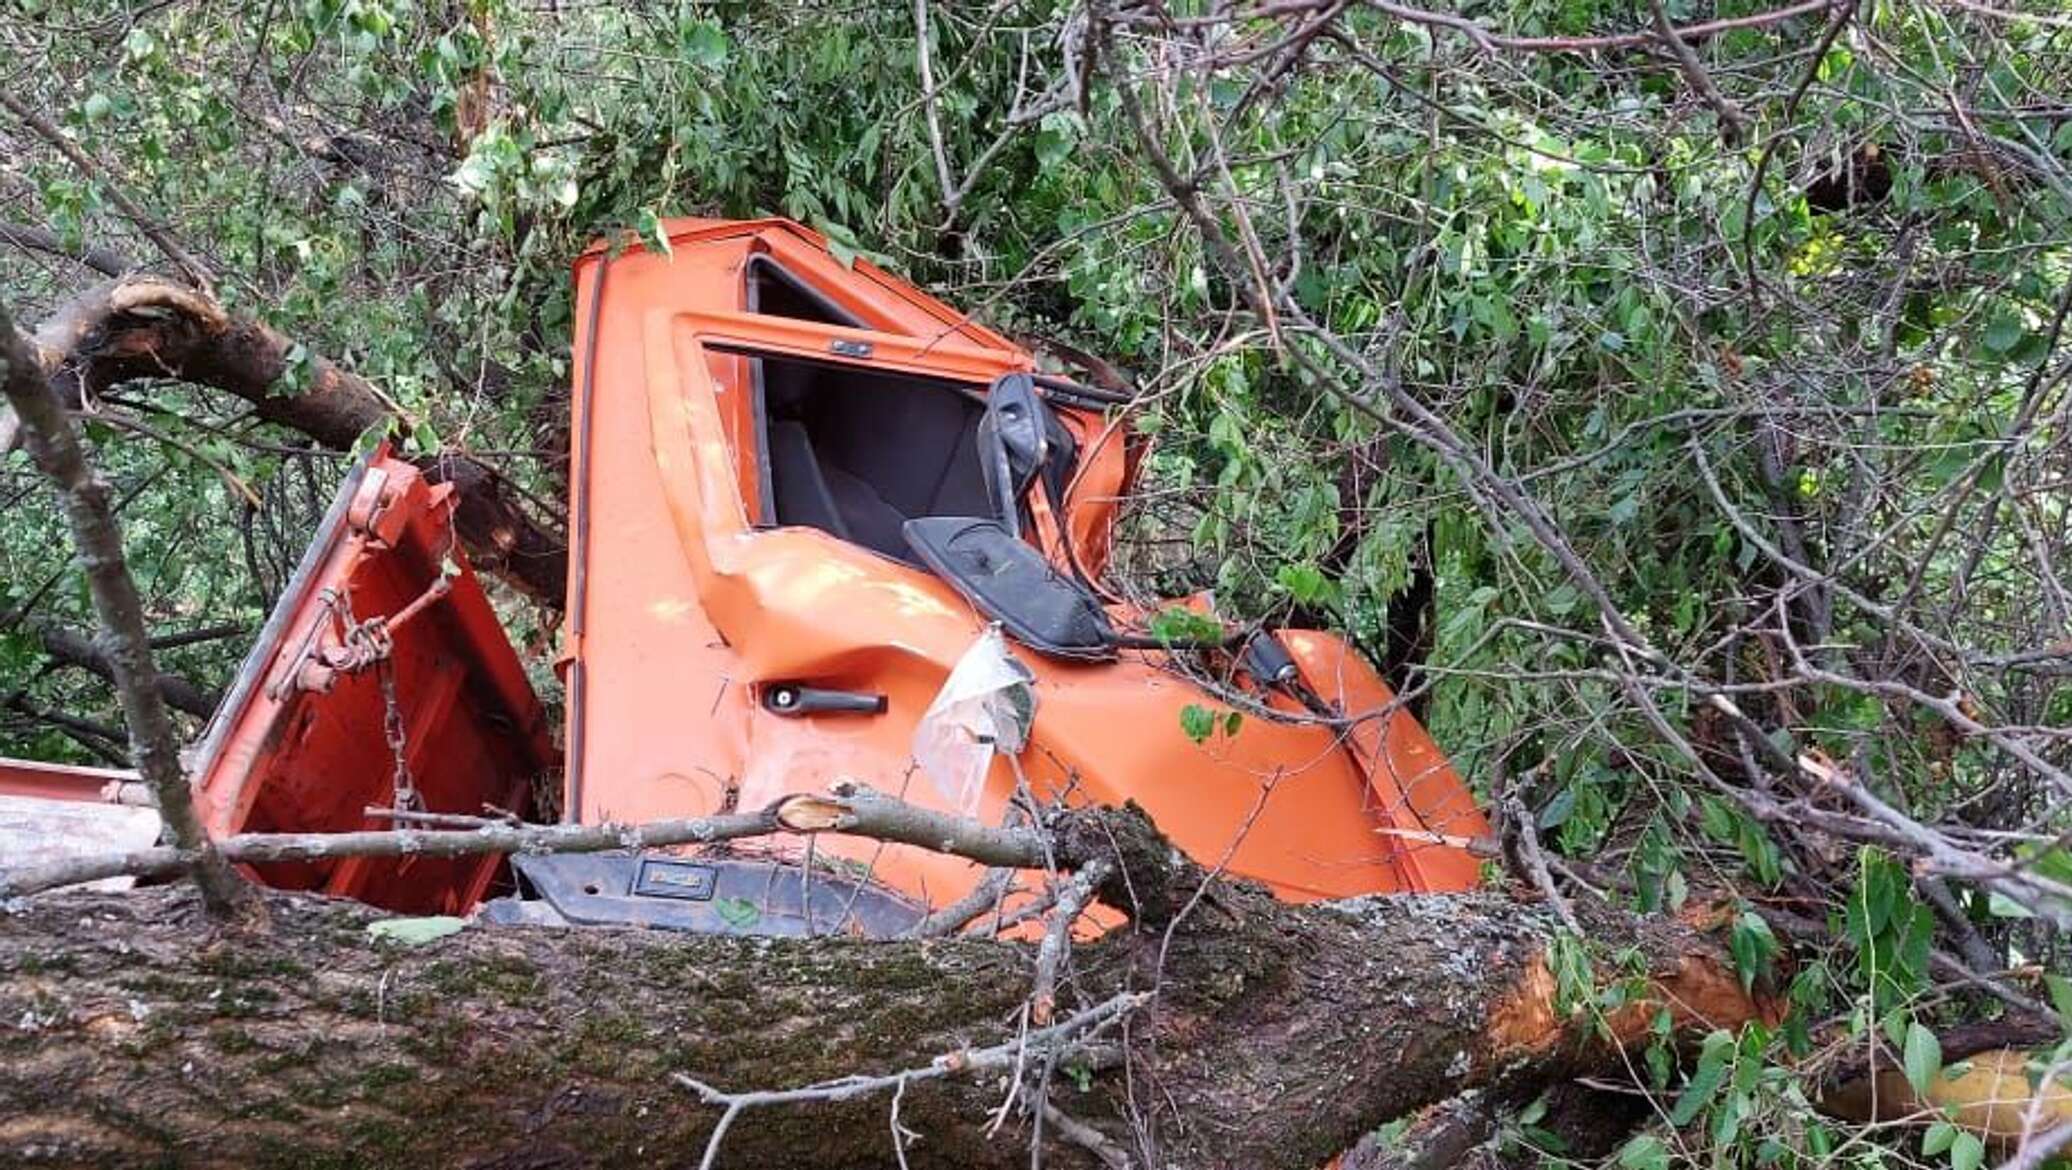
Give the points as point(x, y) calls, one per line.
point(858, 453)
point(774, 292)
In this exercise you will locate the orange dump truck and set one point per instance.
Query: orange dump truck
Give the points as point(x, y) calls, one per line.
point(822, 527)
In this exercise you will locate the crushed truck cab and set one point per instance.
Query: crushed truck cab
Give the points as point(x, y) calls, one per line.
point(802, 492)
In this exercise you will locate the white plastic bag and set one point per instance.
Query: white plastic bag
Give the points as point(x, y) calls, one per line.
point(986, 705)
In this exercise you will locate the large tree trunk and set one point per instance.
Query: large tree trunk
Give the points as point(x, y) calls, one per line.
point(134, 1034)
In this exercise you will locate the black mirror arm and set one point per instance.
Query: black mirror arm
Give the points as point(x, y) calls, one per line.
point(1001, 471)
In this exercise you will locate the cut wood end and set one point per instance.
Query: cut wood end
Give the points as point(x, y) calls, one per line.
point(807, 813)
point(1478, 846)
point(1701, 993)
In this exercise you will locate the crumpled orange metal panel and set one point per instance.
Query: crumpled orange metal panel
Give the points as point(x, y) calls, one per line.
point(682, 608)
point(305, 741)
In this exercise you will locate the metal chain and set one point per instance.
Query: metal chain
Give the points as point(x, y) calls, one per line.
point(369, 642)
point(407, 798)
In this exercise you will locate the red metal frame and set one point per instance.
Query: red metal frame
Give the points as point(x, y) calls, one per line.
point(302, 743)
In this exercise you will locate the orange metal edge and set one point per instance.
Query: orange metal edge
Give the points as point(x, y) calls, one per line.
point(1405, 769)
point(775, 233)
point(60, 781)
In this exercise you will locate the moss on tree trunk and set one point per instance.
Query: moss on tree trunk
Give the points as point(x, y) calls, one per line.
point(132, 1033)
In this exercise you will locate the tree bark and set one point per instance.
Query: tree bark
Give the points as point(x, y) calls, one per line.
point(150, 327)
point(55, 446)
point(73, 648)
point(1272, 1035)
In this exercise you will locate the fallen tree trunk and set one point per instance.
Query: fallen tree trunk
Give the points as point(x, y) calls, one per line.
point(144, 326)
point(1266, 1035)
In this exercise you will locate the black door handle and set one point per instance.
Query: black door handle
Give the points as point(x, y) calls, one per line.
point(792, 700)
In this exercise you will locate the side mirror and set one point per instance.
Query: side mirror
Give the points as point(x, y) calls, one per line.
point(1013, 445)
point(1006, 579)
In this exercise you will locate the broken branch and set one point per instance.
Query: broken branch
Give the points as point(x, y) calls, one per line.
point(850, 808)
point(148, 327)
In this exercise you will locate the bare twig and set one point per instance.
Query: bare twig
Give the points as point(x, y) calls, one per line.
point(2039, 1149)
point(849, 808)
point(1490, 40)
point(1077, 890)
point(1063, 1034)
point(931, 105)
point(953, 917)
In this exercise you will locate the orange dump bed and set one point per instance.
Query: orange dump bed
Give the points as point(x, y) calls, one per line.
point(382, 680)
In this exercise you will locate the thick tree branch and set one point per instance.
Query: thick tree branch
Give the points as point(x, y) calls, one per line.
point(1285, 1032)
point(106, 261)
point(72, 648)
point(148, 327)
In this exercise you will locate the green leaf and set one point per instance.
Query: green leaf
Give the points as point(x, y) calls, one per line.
point(652, 232)
point(1938, 1139)
point(1645, 1152)
point(1052, 148)
point(2004, 332)
point(739, 913)
point(1753, 946)
point(1705, 1081)
point(414, 932)
point(141, 44)
point(704, 44)
point(1179, 625)
point(1921, 1056)
point(841, 242)
point(1967, 1152)
point(1305, 583)
point(2060, 989)
point(1197, 722)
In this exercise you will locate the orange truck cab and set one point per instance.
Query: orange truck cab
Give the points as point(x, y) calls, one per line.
point(822, 527)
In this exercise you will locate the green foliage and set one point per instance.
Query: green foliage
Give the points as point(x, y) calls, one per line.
point(1198, 723)
point(1178, 626)
point(1888, 931)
